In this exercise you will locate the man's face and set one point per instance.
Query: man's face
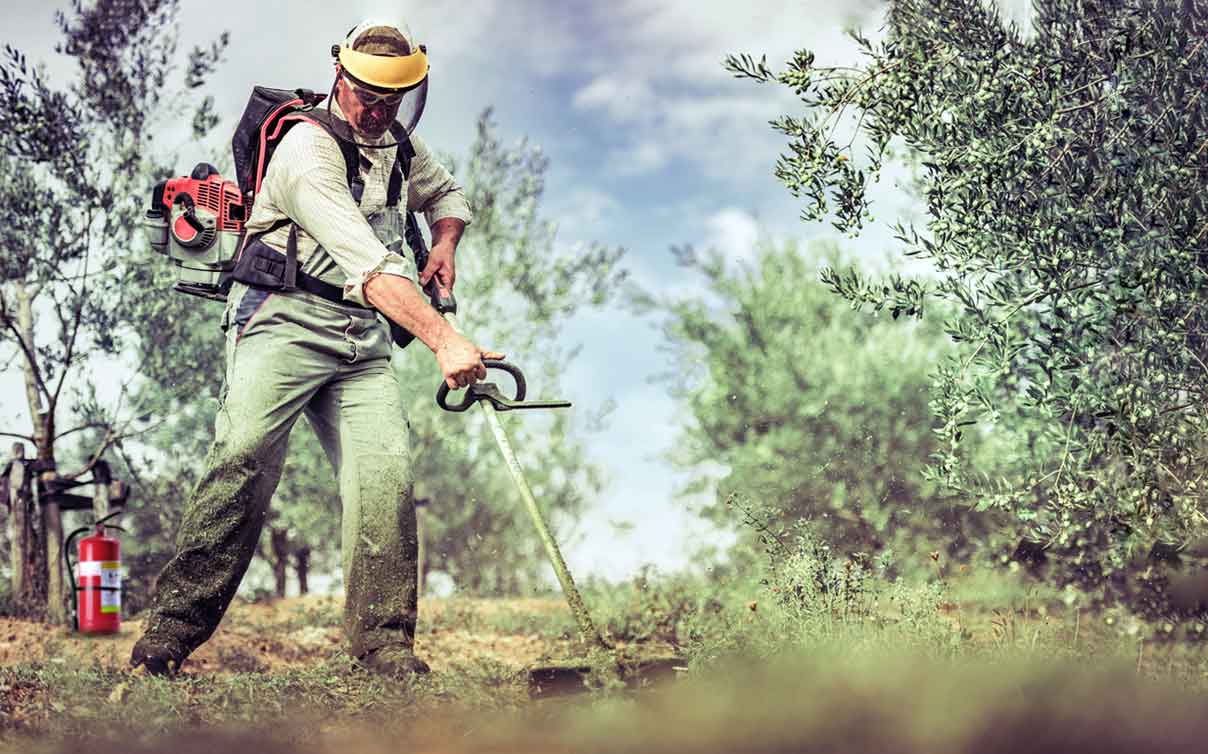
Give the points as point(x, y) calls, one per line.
point(369, 111)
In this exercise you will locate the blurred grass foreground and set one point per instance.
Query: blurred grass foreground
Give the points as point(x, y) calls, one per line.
point(970, 663)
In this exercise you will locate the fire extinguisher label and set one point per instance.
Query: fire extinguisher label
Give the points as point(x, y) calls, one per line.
point(110, 572)
point(111, 576)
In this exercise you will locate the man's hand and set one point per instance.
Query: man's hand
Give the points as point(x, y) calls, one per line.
point(446, 233)
point(460, 361)
point(440, 266)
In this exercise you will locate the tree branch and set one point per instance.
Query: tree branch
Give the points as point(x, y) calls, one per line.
point(111, 438)
point(81, 428)
point(77, 315)
point(26, 349)
point(134, 476)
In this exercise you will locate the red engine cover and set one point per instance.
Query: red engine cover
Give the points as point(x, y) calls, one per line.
point(100, 565)
point(221, 197)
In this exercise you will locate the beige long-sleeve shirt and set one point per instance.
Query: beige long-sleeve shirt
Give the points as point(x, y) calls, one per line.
point(306, 182)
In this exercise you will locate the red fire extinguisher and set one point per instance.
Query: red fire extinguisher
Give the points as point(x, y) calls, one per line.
point(96, 579)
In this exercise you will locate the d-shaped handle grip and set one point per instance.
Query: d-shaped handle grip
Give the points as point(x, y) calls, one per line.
point(469, 397)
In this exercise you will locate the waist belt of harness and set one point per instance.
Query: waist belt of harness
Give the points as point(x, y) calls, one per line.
point(262, 266)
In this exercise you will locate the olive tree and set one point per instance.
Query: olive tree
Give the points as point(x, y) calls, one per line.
point(1065, 223)
point(814, 413)
point(75, 156)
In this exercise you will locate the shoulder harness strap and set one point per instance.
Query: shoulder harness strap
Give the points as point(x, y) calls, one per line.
point(402, 164)
point(352, 156)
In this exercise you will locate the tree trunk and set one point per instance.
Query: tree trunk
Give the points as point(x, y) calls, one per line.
point(36, 578)
point(29, 369)
point(101, 478)
point(302, 567)
point(52, 528)
point(20, 535)
point(28, 557)
point(31, 599)
point(279, 541)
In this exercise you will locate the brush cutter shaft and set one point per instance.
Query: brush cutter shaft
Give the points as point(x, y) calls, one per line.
point(573, 598)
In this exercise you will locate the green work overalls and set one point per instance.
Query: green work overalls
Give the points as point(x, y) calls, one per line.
point(289, 354)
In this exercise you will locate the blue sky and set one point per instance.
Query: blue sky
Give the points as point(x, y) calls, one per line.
point(651, 144)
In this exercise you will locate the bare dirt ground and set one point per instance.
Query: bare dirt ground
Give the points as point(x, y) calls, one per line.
point(517, 633)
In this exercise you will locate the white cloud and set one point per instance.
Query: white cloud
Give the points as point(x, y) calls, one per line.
point(656, 73)
point(686, 39)
point(638, 159)
point(1018, 11)
point(733, 232)
point(584, 212)
point(624, 100)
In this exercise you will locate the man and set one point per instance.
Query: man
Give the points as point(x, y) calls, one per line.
point(290, 353)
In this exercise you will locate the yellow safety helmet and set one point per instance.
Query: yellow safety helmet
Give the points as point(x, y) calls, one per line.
point(383, 55)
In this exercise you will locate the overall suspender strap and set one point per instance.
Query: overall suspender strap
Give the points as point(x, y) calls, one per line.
point(291, 258)
point(402, 165)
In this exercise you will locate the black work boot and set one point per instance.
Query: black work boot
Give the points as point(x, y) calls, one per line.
point(398, 663)
point(157, 656)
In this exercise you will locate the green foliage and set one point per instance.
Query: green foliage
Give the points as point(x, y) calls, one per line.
point(304, 521)
point(1066, 224)
point(75, 160)
point(813, 583)
point(516, 284)
point(822, 597)
point(677, 610)
point(814, 411)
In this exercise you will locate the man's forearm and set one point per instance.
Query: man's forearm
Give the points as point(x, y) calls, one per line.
point(399, 299)
point(447, 230)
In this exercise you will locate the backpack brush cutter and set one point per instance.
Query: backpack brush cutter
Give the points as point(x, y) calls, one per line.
point(602, 658)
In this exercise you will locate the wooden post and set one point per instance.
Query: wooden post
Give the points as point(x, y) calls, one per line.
point(52, 528)
point(101, 479)
point(18, 518)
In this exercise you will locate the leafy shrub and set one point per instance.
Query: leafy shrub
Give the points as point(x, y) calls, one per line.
point(676, 609)
point(812, 409)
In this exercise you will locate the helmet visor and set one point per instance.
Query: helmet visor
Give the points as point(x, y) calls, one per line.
point(380, 107)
